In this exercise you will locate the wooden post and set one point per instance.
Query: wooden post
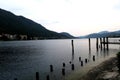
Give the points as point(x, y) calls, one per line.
point(15, 79)
point(73, 67)
point(101, 43)
point(37, 75)
point(86, 60)
point(93, 57)
point(47, 77)
point(72, 42)
point(63, 72)
point(107, 43)
point(81, 63)
point(63, 64)
point(97, 45)
point(89, 45)
point(104, 43)
point(79, 58)
point(51, 68)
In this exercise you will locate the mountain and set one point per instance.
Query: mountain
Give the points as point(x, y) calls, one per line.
point(66, 34)
point(99, 34)
point(13, 24)
point(102, 34)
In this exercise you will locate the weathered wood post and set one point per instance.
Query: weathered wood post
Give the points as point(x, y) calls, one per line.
point(72, 42)
point(15, 79)
point(63, 64)
point(86, 60)
point(72, 67)
point(63, 72)
point(79, 58)
point(81, 63)
point(101, 43)
point(104, 43)
point(51, 68)
point(107, 43)
point(89, 44)
point(47, 77)
point(93, 57)
point(37, 75)
point(97, 45)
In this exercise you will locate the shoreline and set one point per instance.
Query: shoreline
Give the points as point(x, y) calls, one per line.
point(102, 71)
point(107, 70)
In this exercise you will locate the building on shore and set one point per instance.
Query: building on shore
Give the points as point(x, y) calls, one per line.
point(5, 36)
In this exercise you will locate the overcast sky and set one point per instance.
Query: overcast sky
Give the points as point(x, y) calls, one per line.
point(77, 17)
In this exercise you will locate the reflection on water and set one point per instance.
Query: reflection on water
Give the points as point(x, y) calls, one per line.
point(22, 59)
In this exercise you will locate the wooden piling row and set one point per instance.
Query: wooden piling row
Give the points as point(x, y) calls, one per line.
point(104, 43)
point(80, 60)
point(63, 69)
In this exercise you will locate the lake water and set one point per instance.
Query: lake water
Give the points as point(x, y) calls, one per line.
point(22, 59)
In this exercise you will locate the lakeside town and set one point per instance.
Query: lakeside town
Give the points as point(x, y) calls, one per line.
point(6, 37)
point(10, 37)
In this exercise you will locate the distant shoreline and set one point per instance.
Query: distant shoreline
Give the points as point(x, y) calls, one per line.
point(45, 39)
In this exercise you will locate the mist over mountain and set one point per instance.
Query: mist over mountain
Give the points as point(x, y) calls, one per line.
point(13, 24)
point(102, 34)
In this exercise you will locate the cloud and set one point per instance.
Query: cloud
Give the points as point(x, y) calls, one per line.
point(75, 16)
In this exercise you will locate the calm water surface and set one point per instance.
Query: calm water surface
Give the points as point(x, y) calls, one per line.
point(22, 59)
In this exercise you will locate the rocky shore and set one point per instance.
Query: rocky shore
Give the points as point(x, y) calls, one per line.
point(107, 70)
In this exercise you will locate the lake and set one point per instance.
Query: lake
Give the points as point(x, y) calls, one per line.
point(22, 59)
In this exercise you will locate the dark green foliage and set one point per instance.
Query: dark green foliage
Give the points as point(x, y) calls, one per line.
point(12, 24)
point(118, 57)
